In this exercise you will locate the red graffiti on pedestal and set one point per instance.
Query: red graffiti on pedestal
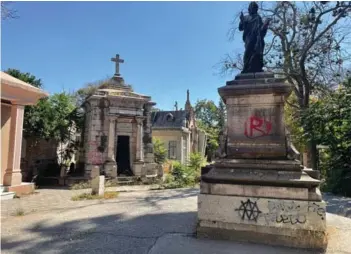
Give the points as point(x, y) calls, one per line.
point(256, 127)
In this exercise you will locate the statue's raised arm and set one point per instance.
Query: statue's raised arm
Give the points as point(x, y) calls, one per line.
point(254, 31)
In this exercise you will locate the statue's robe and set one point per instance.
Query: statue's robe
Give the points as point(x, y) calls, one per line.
point(253, 37)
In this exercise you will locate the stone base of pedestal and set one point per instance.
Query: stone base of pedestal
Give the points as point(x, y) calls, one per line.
point(274, 221)
point(264, 201)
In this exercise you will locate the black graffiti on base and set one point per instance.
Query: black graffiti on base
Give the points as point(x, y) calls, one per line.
point(292, 219)
point(248, 210)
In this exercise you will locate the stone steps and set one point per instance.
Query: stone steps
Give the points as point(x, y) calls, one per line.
point(5, 194)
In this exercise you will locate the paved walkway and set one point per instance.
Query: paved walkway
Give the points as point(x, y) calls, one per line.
point(60, 198)
point(56, 199)
point(152, 222)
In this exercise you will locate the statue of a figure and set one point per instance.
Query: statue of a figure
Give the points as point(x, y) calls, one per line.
point(254, 32)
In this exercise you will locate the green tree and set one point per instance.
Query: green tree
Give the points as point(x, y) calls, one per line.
point(210, 118)
point(160, 152)
point(330, 118)
point(196, 161)
point(55, 117)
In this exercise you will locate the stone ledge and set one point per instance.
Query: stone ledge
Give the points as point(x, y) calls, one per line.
point(23, 188)
point(255, 191)
point(280, 88)
point(289, 165)
point(244, 76)
point(306, 239)
point(261, 177)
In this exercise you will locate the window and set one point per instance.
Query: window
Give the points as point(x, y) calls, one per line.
point(172, 150)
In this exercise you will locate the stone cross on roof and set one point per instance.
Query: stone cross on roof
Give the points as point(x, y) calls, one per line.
point(117, 60)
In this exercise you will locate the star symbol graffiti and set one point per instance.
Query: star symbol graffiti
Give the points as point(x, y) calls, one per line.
point(249, 210)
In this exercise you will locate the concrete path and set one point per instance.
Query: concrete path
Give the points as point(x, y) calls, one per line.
point(56, 199)
point(136, 222)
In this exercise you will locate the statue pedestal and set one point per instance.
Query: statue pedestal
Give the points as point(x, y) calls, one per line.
point(256, 194)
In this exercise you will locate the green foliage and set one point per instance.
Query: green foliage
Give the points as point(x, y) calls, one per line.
point(211, 118)
point(196, 161)
point(26, 77)
point(330, 119)
point(160, 152)
point(181, 176)
point(54, 117)
point(293, 124)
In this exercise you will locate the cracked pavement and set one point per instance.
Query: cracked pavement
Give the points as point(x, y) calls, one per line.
point(152, 222)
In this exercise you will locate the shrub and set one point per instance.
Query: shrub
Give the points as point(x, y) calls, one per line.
point(160, 152)
point(181, 176)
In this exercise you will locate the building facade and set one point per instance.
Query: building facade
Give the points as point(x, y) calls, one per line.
point(179, 133)
point(117, 136)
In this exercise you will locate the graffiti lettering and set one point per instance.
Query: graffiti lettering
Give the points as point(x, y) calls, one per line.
point(293, 219)
point(285, 212)
point(317, 209)
point(256, 127)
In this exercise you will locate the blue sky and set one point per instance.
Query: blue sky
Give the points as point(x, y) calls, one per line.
point(168, 47)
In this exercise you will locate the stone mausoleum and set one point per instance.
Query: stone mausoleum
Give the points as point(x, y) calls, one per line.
point(117, 136)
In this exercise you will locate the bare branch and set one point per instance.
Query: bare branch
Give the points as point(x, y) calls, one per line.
point(7, 12)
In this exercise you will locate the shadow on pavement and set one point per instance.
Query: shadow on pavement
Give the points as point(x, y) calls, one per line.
point(338, 205)
point(107, 234)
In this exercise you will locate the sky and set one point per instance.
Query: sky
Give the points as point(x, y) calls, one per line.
point(168, 47)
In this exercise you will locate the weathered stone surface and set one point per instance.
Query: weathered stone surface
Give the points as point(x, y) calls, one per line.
point(263, 218)
point(95, 171)
point(254, 191)
point(281, 165)
point(255, 119)
point(259, 88)
point(116, 110)
point(111, 169)
point(279, 213)
point(298, 238)
point(260, 177)
point(98, 185)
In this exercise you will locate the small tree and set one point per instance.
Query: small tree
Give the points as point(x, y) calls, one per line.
point(211, 118)
point(160, 152)
point(330, 118)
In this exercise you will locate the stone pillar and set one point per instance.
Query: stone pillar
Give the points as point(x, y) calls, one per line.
point(13, 174)
point(139, 139)
point(147, 138)
point(149, 167)
point(256, 193)
point(110, 164)
point(111, 139)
